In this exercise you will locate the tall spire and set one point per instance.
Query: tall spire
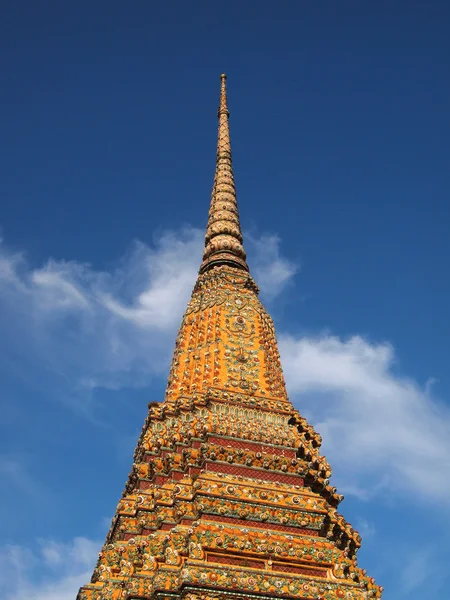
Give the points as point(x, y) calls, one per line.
point(223, 239)
point(228, 495)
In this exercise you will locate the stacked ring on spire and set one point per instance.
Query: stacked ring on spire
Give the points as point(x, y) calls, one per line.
point(223, 239)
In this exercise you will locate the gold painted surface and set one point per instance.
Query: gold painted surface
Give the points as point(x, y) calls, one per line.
point(226, 340)
point(228, 496)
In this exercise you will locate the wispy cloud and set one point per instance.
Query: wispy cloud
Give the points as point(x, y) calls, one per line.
point(116, 329)
point(85, 328)
point(69, 323)
point(422, 570)
point(17, 477)
point(108, 329)
point(48, 571)
point(416, 570)
point(365, 527)
point(272, 270)
point(379, 427)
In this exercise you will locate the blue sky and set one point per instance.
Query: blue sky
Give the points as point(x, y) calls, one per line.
point(340, 128)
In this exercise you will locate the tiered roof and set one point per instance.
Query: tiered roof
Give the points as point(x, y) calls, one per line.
point(228, 496)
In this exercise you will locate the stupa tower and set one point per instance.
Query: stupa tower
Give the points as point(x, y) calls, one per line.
point(228, 497)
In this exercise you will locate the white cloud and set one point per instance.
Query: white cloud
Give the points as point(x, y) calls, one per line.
point(54, 288)
point(380, 429)
point(83, 328)
point(117, 328)
point(169, 275)
point(109, 329)
point(51, 571)
point(272, 271)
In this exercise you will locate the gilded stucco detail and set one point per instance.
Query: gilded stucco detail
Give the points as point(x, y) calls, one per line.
point(228, 496)
point(226, 340)
point(223, 239)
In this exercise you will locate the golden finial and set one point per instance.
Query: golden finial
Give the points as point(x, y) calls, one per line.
point(223, 240)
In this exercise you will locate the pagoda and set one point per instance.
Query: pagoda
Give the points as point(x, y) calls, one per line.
point(228, 497)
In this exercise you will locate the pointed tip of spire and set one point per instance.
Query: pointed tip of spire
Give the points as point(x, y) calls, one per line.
point(223, 108)
point(223, 240)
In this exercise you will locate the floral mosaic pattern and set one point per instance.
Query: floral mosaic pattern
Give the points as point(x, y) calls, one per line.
point(228, 496)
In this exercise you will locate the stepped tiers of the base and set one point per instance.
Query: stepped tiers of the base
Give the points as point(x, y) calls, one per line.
point(228, 498)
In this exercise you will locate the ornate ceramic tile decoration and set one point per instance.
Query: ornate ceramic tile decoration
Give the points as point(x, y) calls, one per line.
point(228, 496)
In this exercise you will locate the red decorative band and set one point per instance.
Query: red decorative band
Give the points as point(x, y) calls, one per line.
point(145, 485)
point(235, 560)
point(286, 568)
point(253, 473)
point(255, 447)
